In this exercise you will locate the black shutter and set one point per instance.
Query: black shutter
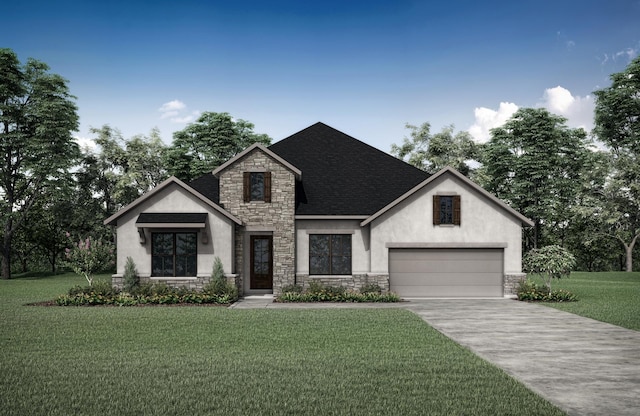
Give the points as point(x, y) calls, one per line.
point(436, 210)
point(456, 210)
point(246, 189)
point(267, 187)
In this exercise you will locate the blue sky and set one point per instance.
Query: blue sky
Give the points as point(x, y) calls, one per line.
point(363, 67)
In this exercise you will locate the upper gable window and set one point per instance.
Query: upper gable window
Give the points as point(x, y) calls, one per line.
point(257, 186)
point(446, 209)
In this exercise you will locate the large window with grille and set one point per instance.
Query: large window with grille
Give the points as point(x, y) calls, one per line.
point(174, 254)
point(330, 254)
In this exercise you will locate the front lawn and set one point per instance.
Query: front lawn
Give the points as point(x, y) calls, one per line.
point(202, 360)
point(612, 297)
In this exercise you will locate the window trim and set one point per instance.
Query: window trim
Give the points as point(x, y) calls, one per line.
point(330, 254)
point(174, 254)
point(455, 207)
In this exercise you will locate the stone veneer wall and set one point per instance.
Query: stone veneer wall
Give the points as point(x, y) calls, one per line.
point(195, 284)
point(355, 282)
point(276, 217)
point(511, 281)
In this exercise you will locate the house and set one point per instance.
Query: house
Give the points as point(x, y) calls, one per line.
point(323, 206)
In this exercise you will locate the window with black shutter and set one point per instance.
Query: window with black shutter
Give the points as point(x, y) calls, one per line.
point(257, 186)
point(446, 209)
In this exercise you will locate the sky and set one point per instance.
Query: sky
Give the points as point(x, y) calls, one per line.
point(364, 67)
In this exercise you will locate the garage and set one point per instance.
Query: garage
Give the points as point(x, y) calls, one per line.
point(446, 272)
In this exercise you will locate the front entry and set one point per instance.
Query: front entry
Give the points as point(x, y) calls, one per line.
point(261, 276)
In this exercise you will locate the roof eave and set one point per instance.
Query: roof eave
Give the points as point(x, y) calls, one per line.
point(524, 220)
point(297, 172)
point(112, 220)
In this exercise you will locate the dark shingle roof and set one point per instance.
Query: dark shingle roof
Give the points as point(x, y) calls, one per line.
point(208, 185)
point(342, 175)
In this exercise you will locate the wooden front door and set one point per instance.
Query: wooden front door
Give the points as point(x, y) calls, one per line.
point(261, 262)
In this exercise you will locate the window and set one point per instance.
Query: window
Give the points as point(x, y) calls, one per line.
point(174, 254)
point(257, 186)
point(446, 209)
point(330, 254)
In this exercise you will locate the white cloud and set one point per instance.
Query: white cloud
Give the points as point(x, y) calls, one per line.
point(171, 106)
point(175, 111)
point(577, 110)
point(629, 53)
point(186, 119)
point(487, 119)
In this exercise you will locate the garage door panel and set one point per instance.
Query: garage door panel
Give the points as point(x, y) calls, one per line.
point(451, 272)
point(444, 253)
point(450, 279)
point(435, 266)
point(446, 291)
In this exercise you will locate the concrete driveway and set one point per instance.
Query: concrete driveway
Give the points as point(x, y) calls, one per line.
point(583, 366)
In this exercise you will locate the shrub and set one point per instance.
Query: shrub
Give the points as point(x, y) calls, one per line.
point(130, 277)
point(88, 256)
point(317, 292)
point(550, 262)
point(292, 289)
point(530, 291)
point(157, 294)
point(371, 288)
point(218, 286)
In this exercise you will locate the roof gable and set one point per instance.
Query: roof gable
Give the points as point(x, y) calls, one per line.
point(171, 181)
point(459, 176)
point(253, 147)
point(342, 175)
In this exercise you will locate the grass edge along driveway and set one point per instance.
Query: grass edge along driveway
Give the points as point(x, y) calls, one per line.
point(212, 360)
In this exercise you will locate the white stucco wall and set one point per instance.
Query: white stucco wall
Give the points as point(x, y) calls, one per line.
point(482, 222)
point(359, 242)
point(175, 199)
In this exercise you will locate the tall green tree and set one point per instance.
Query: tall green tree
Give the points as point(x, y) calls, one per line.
point(126, 169)
point(535, 162)
point(617, 125)
point(432, 152)
point(37, 118)
point(209, 142)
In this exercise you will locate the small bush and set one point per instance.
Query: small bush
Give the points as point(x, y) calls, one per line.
point(218, 286)
point(345, 296)
point(292, 289)
point(371, 288)
point(531, 292)
point(317, 292)
point(101, 293)
point(130, 277)
point(315, 287)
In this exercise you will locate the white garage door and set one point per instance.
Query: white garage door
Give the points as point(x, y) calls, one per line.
point(446, 272)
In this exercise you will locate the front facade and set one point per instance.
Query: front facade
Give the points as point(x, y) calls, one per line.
point(323, 206)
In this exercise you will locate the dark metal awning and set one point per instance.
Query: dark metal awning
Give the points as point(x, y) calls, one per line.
point(172, 220)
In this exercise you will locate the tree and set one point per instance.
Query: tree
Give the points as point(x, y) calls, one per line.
point(209, 142)
point(434, 152)
point(550, 262)
point(126, 169)
point(89, 256)
point(37, 117)
point(535, 163)
point(617, 125)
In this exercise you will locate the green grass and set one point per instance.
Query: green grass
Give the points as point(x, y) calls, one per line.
point(612, 297)
point(213, 360)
